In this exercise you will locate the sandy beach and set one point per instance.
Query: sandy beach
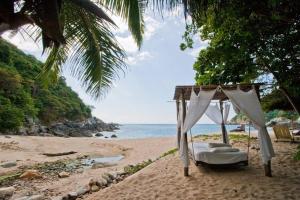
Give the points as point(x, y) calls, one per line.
point(27, 151)
point(164, 180)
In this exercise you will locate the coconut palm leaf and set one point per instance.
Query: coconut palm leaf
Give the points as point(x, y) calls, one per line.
point(94, 56)
point(132, 11)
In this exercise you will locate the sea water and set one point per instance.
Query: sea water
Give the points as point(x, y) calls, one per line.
point(134, 131)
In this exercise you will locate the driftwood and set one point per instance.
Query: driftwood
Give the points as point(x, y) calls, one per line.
point(59, 154)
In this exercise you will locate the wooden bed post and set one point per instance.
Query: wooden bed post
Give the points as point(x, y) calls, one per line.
point(268, 170)
point(183, 103)
point(178, 127)
point(224, 133)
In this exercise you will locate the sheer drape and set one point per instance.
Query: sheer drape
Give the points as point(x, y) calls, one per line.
point(197, 106)
point(214, 113)
point(249, 104)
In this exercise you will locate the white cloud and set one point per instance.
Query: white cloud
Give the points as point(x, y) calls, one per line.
point(141, 56)
point(151, 26)
point(127, 43)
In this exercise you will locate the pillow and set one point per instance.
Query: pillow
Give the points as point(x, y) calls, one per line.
point(213, 145)
point(223, 149)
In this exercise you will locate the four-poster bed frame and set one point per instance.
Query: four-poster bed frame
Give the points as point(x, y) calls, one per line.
point(183, 93)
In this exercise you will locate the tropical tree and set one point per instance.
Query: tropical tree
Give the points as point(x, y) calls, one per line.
point(248, 39)
point(78, 32)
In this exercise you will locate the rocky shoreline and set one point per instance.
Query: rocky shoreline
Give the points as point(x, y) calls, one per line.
point(84, 128)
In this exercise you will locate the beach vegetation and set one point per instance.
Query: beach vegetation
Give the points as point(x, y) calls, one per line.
point(131, 169)
point(297, 154)
point(170, 152)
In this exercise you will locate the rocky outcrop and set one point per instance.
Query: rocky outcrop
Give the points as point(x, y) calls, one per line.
point(67, 128)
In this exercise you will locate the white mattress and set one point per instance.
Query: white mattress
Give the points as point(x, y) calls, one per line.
point(204, 154)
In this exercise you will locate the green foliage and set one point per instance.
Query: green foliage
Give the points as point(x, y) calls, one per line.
point(297, 154)
point(281, 113)
point(248, 39)
point(131, 169)
point(11, 117)
point(275, 100)
point(172, 151)
point(240, 118)
point(21, 95)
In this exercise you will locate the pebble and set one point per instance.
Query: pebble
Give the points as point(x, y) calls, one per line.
point(63, 174)
point(31, 174)
point(95, 188)
point(6, 193)
point(8, 164)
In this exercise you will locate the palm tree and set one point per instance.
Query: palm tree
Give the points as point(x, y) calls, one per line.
point(78, 32)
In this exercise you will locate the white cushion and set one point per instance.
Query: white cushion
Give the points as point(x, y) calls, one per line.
point(223, 149)
point(213, 145)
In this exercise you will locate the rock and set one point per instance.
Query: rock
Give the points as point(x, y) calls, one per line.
point(92, 182)
point(98, 134)
point(8, 164)
point(102, 182)
point(57, 198)
point(31, 174)
point(44, 129)
point(34, 130)
point(6, 193)
point(105, 137)
point(37, 197)
point(34, 197)
point(72, 196)
point(102, 165)
point(114, 175)
point(95, 188)
point(22, 131)
point(107, 177)
point(7, 136)
point(113, 136)
point(63, 174)
point(82, 190)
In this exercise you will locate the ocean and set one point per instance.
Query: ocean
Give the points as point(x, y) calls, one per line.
point(133, 131)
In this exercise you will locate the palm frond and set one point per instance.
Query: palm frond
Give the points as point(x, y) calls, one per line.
point(132, 11)
point(91, 7)
point(95, 56)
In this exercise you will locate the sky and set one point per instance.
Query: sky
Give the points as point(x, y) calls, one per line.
point(144, 94)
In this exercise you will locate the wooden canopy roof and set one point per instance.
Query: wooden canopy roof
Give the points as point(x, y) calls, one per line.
point(185, 90)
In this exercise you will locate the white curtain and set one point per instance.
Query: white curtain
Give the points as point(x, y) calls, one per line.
point(226, 112)
point(179, 116)
point(214, 113)
point(197, 106)
point(249, 104)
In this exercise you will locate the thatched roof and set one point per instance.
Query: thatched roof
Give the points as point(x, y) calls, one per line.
point(185, 90)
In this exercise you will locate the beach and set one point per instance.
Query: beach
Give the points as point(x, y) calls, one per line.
point(162, 179)
point(28, 151)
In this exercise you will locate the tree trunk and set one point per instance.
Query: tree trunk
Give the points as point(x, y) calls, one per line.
point(293, 100)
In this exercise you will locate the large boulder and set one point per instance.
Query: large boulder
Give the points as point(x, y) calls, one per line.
point(6, 193)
